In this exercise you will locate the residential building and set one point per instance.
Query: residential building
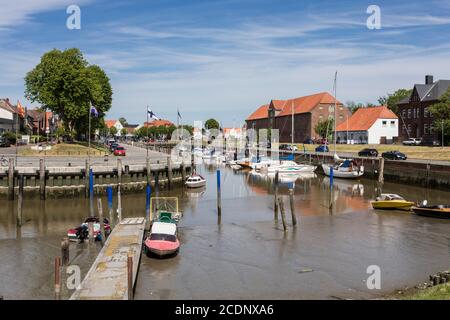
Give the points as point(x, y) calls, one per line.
point(114, 123)
point(6, 116)
point(416, 120)
point(233, 133)
point(158, 123)
point(307, 112)
point(372, 125)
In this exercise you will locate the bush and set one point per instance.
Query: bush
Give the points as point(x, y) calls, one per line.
point(11, 136)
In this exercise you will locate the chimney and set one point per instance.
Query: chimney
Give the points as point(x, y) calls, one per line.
point(428, 79)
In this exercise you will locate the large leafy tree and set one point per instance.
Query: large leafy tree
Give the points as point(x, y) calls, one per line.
point(391, 100)
point(441, 113)
point(66, 84)
point(353, 106)
point(212, 124)
point(325, 127)
point(123, 121)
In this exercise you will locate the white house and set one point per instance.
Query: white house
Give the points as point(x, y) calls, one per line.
point(114, 123)
point(371, 125)
point(6, 116)
point(234, 133)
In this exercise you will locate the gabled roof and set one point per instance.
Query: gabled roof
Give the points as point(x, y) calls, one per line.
point(110, 123)
point(260, 113)
point(364, 118)
point(158, 123)
point(428, 92)
point(5, 104)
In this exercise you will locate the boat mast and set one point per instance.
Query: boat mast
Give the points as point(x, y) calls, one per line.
point(335, 112)
point(292, 127)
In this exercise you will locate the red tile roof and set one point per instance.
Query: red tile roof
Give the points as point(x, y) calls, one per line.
point(364, 118)
point(110, 123)
point(158, 123)
point(301, 105)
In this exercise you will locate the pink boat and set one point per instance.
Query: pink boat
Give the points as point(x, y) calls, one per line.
point(162, 240)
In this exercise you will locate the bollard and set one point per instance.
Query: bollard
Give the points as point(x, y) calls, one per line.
point(291, 202)
point(57, 278)
point(42, 179)
point(100, 218)
point(11, 179)
point(130, 275)
point(283, 216)
point(381, 171)
point(91, 192)
point(275, 208)
point(169, 172)
point(20, 201)
point(109, 192)
point(219, 194)
point(65, 255)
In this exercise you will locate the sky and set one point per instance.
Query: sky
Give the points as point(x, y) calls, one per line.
point(225, 58)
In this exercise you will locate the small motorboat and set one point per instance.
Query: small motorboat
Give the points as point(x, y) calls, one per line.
point(388, 201)
point(438, 211)
point(348, 169)
point(195, 181)
point(288, 166)
point(82, 232)
point(162, 240)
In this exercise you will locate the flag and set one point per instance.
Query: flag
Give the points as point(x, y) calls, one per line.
point(151, 114)
point(178, 113)
point(94, 111)
point(20, 110)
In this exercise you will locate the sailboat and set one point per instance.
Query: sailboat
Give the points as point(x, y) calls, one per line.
point(343, 168)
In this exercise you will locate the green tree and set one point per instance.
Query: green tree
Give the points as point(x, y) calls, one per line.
point(391, 100)
point(353, 106)
point(212, 124)
point(66, 84)
point(441, 113)
point(113, 131)
point(325, 127)
point(123, 132)
point(123, 121)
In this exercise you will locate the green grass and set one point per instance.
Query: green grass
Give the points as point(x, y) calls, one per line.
point(65, 149)
point(439, 292)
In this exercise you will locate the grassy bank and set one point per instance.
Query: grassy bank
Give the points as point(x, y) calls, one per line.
point(64, 149)
point(439, 292)
point(413, 152)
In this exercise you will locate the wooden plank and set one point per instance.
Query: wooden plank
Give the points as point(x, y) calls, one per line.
point(108, 278)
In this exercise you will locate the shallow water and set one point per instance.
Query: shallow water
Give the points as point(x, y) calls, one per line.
point(248, 255)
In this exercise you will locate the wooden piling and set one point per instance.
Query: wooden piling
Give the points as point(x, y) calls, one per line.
point(276, 181)
point(91, 231)
point(169, 172)
point(119, 171)
point(42, 179)
point(149, 172)
point(57, 278)
point(11, 179)
point(65, 254)
point(100, 217)
point(381, 170)
point(291, 202)
point(183, 171)
point(219, 194)
point(130, 276)
point(283, 215)
point(20, 201)
point(119, 204)
point(86, 178)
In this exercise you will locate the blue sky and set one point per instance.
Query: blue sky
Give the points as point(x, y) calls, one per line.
point(224, 58)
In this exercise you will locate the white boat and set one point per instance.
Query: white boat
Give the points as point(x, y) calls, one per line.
point(288, 166)
point(195, 181)
point(347, 170)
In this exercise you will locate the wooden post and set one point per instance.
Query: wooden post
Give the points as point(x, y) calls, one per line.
point(65, 255)
point(11, 179)
point(149, 172)
point(100, 218)
point(156, 180)
point(130, 275)
point(91, 192)
point(291, 201)
point(109, 192)
point(42, 179)
point(169, 171)
point(219, 194)
point(57, 278)
point(119, 205)
point(20, 201)
point(276, 196)
point(183, 171)
point(283, 216)
point(91, 232)
point(381, 173)
point(86, 178)
point(119, 171)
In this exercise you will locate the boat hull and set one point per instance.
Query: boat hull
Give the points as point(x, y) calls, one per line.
point(392, 205)
point(198, 184)
point(432, 213)
point(342, 174)
point(162, 248)
point(292, 169)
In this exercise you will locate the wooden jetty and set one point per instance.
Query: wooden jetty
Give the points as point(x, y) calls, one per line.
point(108, 277)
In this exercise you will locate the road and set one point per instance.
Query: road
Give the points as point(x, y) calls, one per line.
point(135, 155)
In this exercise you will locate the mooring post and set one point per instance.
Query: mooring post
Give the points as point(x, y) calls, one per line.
point(119, 205)
point(283, 216)
point(275, 207)
point(91, 192)
point(331, 188)
point(42, 179)
point(219, 194)
point(148, 194)
point(130, 275)
point(100, 218)
point(183, 171)
point(156, 180)
point(169, 172)
point(91, 231)
point(20, 201)
point(381, 170)
point(11, 179)
point(291, 202)
point(109, 192)
point(57, 278)
point(119, 172)
point(86, 178)
point(65, 254)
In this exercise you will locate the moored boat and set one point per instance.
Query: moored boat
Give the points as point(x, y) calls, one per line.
point(437, 211)
point(82, 231)
point(348, 169)
point(387, 201)
point(162, 240)
point(195, 181)
point(288, 166)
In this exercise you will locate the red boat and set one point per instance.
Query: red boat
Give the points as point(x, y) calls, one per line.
point(162, 240)
point(81, 232)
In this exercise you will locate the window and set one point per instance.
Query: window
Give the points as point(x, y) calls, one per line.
point(431, 129)
point(409, 128)
point(404, 114)
point(425, 112)
point(392, 124)
point(425, 128)
point(418, 112)
point(384, 124)
point(409, 113)
point(414, 113)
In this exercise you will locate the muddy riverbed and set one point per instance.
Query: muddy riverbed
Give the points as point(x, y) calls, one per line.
point(247, 255)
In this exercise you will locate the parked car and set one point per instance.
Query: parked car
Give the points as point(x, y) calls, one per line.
point(368, 152)
point(119, 151)
point(288, 147)
point(113, 146)
point(4, 143)
point(412, 142)
point(394, 155)
point(322, 148)
point(322, 141)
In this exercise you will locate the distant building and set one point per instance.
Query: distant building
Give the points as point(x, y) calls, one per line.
point(41, 122)
point(6, 116)
point(372, 125)
point(234, 133)
point(114, 123)
point(307, 110)
point(158, 123)
point(416, 121)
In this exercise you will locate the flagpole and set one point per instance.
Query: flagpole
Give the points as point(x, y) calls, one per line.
point(17, 124)
point(178, 122)
point(89, 136)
